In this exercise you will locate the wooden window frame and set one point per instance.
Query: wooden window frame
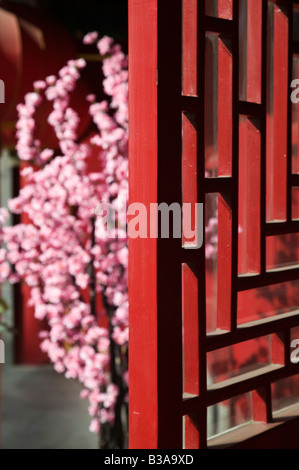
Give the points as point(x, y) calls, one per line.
point(156, 400)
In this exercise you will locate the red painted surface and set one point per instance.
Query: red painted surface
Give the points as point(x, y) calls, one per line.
point(246, 143)
point(190, 347)
point(155, 280)
point(261, 399)
point(277, 101)
point(250, 196)
point(189, 168)
point(143, 391)
point(30, 49)
point(189, 47)
point(224, 268)
point(225, 110)
point(254, 51)
point(225, 9)
point(190, 328)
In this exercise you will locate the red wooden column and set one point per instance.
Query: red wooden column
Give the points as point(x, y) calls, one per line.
point(27, 341)
point(155, 358)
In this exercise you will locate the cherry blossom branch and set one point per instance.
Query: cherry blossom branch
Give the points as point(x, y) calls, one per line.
point(61, 251)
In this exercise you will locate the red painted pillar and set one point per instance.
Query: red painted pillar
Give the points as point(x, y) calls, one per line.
point(27, 342)
point(155, 351)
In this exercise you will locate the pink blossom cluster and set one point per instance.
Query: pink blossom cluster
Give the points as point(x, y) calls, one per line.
point(211, 246)
point(61, 253)
point(211, 226)
point(112, 141)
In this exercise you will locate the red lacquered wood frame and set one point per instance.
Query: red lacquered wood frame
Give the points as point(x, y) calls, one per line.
point(167, 283)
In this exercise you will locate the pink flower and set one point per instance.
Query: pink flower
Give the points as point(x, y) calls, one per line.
point(15, 205)
point(91, 98)
point(51, 79)
point(120, 336)
point(39, 85)
point(126, 377)
point(80, 63)
point(210, 251)
point(106, 416)
point(87, 353)
point(32, 99)
point(95, 426)
point(59, 367)
point(27, 171)
point(84, 394)
point(87, 321)
point(57, 333)
point(53, 294)
point(46, 154)
point(3, 215)
point(90, 38)
point(40, 311)
point(4, 271)
point(104, 45)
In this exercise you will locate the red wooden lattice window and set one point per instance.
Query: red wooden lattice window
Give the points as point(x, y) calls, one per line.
point(212, 121)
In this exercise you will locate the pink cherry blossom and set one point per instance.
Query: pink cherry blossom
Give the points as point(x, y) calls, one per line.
point(95, 426)
point(104, 45)
point(90, 38)
point(63, 249)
